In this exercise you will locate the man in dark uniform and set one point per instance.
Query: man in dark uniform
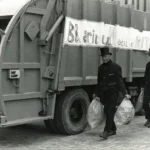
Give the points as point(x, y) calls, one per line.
point(146, 99)
point(110, 84)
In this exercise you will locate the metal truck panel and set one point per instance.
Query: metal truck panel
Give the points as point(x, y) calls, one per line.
point(122, 56)
point(24, 97)
point(138, 20)
point(108, 13)
point(111, 13)
point(148, 21)
point(22, 108)
point(74, 9)
point(139, 59)
point(80, 58)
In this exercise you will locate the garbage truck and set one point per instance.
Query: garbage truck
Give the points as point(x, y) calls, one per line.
point(44, 79)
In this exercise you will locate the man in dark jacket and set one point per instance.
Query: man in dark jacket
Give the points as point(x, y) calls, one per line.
point(110, 84)
point(146, 99)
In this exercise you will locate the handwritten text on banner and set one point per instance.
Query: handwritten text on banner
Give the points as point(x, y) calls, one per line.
point(99, 34)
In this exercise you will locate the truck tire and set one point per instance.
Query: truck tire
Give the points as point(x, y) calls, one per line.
point(71, 111)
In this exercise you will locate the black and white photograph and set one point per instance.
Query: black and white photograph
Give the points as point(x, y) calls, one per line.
point(74, 74)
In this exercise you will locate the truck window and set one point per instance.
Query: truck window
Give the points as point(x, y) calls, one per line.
point(3, 23)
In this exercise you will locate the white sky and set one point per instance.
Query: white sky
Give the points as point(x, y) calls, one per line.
point(9, 7)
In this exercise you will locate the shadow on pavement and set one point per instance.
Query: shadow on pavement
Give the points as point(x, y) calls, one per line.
point(26, 135)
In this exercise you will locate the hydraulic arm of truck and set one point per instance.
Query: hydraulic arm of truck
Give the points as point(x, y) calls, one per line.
point(45, 35)
point(52, 30)
point(55, 26)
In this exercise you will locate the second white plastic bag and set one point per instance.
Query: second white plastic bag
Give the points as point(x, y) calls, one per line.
point(125, 113)
point(139, 103)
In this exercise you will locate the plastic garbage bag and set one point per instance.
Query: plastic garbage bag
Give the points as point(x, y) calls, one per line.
point(125, 113)
point(139, 103)
point(95, 114)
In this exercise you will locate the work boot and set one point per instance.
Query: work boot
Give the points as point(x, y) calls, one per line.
point(111, 133)
point(104, 135)
point(147, 122)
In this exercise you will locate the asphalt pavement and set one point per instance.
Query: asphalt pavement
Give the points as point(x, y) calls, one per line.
point(36, 137)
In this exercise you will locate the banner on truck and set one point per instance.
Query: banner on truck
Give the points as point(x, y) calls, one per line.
point(99, 34)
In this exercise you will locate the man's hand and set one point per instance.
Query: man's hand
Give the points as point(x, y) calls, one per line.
point(95, 97)
point(127, 96)
point(98, 99)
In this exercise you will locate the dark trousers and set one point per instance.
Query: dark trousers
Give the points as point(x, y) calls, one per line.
point(146, 101)
point(110, 99)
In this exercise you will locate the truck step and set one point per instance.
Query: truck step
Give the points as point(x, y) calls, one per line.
point(24, 121)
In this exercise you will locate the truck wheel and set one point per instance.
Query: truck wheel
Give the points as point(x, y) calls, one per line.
point(71, 111)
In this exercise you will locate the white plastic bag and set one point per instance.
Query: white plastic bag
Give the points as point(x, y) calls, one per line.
point(95, 114)
point(139, 103)
point(125, 113)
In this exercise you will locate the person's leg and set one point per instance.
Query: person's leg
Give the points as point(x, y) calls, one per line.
point(110, 110)
point(107, 118)
point(147, 113)
point(147, 110)
point(110, 127)
point(146, 104)
point(104, 134)
point(114, 128)
point(110, 124)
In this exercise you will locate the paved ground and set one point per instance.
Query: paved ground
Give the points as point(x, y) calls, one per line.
point(35, 137)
